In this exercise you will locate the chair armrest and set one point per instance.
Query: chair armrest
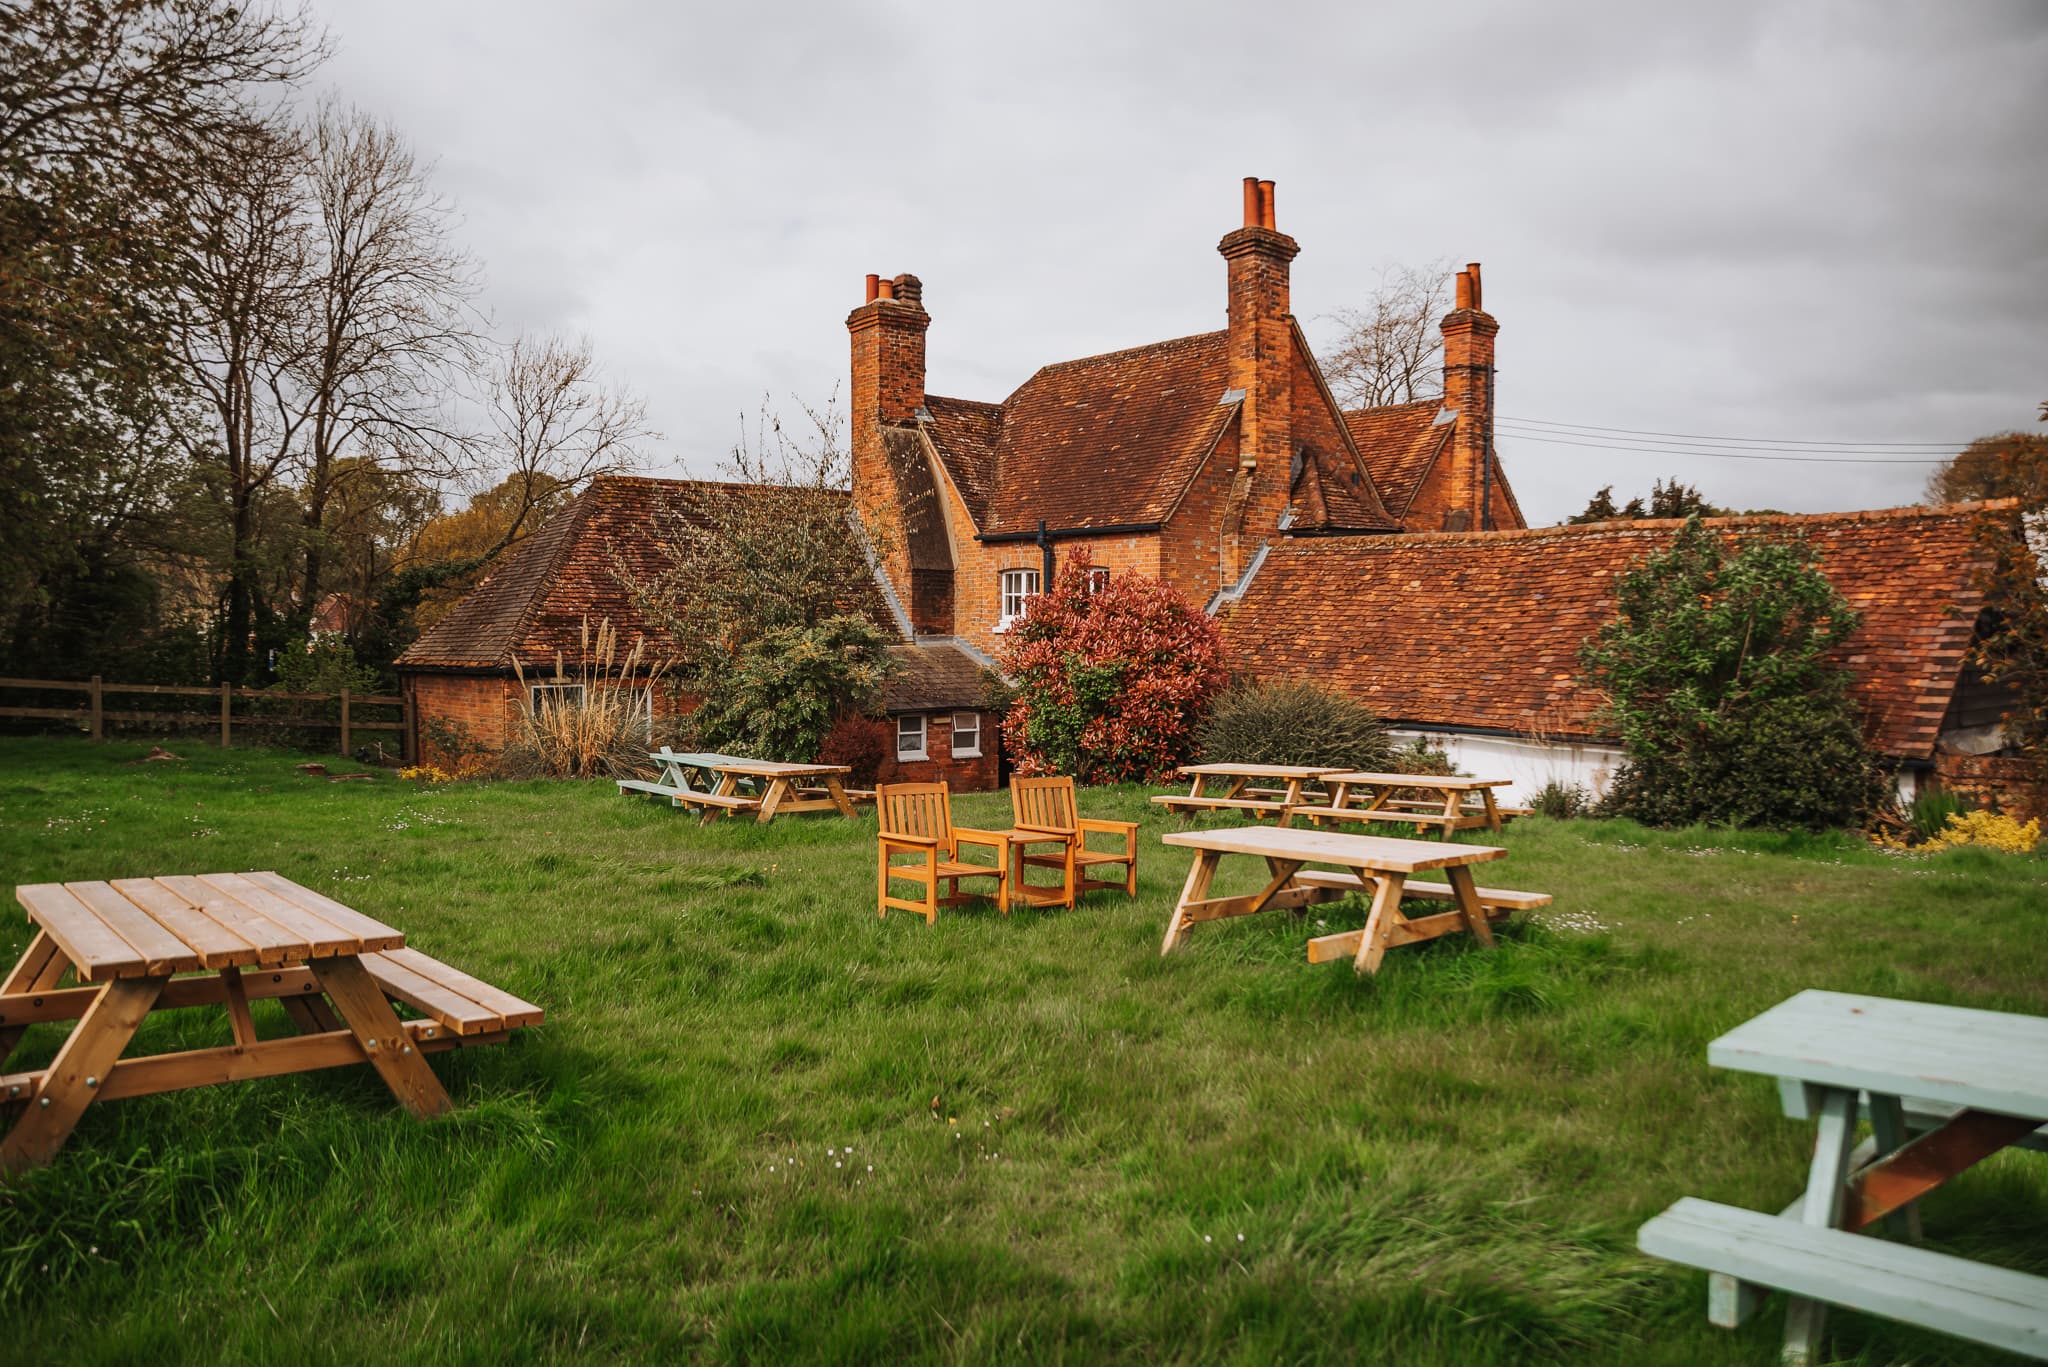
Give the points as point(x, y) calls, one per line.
point(1044, 832)
point(1089, 823)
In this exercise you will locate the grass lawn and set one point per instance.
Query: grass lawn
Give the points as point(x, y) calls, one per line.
point(1062, 1147)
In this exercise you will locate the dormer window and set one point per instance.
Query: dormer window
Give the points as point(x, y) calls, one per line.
point(1019, 588)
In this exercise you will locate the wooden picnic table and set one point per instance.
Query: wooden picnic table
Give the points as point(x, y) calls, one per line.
point(1428, 802)
point(1256, 790)
point(1943, 1088)
point(733, 783)
point(1377, 865)
point(138, 945)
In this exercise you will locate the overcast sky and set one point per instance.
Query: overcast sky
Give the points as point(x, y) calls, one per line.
point(1806, 222)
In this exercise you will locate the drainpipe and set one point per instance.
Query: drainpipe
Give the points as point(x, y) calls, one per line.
point(1044, 558)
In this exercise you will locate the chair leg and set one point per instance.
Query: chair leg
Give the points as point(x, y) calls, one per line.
point(882, 887)
point(931, 892)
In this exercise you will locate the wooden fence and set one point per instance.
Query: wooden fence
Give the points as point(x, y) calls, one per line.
point(92, 714)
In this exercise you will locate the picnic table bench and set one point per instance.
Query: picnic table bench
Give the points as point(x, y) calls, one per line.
point(734, 783)
point(1427, 802)
point(1237, 788)
point(1370, 864)
point(1943, 1087)
point(138, 945)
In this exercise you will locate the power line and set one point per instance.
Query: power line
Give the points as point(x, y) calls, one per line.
point(1771, 443)
point(1736, 455)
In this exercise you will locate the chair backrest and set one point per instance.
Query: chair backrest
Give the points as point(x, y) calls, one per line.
point(1044, 804)
point(916, 809)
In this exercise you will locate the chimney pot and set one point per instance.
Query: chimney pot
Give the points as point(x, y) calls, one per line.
point(1465, 290)
point(1266, 204)
point(886, 288)
point(874, 286)
point(1477, 299)
point(1251, 201)
point(909, 289)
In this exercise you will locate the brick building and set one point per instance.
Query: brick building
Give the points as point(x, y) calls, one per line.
point(532, 609)
point(1185, 460)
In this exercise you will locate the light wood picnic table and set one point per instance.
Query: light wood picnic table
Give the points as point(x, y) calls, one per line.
point(1427, 802)
point(728, 783)
point(1943, 1088)
point(1256, 790)
point(1366, 863)
point(137, 945)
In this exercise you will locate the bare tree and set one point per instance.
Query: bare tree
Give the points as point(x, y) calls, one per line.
point(558, 425)
point(242, 341)
point(1388, 351)
point(391, 322)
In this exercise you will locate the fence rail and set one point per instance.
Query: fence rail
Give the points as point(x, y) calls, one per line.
point(92, 714)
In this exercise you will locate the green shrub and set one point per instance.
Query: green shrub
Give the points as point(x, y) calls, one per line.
point(1418, 756)
point(783, 689)
point(1931, 811)
point(1561, 801)
point(1292, 721)
point(1721, 680)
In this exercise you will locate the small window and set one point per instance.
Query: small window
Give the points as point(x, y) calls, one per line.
point(1098, 580)
point(966, 735)
point(552, 695)
point(910, 737)
point(1019, 587)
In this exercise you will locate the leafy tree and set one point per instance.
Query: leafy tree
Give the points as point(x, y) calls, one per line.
point(2003, 465)
point(781, 692)
point(1669, 499)
point(2012, 649)
point(1111, 682)
point(1293, 721)
point(1719, 675)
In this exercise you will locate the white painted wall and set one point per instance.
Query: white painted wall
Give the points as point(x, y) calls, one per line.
point(1528, 764)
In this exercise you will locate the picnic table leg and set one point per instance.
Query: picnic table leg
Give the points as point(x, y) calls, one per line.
point(1467, 893)
point(1492, 810)
point(836, 790)
point(1804, 1318)
point(1289, 803)
point(74, 1076)
point(1386, 905)
point(40, 969)
point(778, 788)
point(1195, 889)
point(1888, 1128)
point(370, 1018)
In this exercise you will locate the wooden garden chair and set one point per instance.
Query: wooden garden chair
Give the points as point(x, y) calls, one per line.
point(1047, 804)
point(917, 818)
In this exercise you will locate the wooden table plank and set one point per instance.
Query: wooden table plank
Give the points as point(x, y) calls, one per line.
point(1296, 771)
point(162, 950)
point(1337, 847)
point(273, 943)
point(374, 934)
point(96, 951)
point(1982, 1060)
point(322, 940)
point(214, 944)
point(1440, 782)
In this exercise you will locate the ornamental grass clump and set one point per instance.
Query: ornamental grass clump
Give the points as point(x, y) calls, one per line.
point(1292, 721)
point(1722, 678)
point(592, 722)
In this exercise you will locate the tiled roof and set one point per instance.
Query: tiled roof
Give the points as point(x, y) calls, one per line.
point(964, 433)
point(933, 677)
point(534, 604)
point(1398, 442)
point(1482, 630)
point(1109, 439)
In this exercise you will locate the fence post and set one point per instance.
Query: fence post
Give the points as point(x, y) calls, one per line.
point(227, 697)
point(98, 717)
point(344, 720)
point(407, 749)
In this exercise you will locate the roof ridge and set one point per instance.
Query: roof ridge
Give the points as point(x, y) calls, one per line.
point(1120, 352)
point(1648, 524)
point(1437, 402)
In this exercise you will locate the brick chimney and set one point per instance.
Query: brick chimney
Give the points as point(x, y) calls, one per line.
point(1261, 350)
point(1473, 498)
point(888, 366)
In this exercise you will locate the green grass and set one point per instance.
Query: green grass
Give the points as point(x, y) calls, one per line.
point(1064, 1148)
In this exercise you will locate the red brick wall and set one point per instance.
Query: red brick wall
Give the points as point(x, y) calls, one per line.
point(967, 774)
point(485, 707)
point(1994, 781)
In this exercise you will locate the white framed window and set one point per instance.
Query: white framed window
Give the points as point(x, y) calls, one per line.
point(1019, 587)
point(542, 695)
point(1098, 579)
point(966, 735)
point(640, 703)
point(910, 736)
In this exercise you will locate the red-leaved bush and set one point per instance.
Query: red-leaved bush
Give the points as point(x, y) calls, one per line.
point(1110, 684)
